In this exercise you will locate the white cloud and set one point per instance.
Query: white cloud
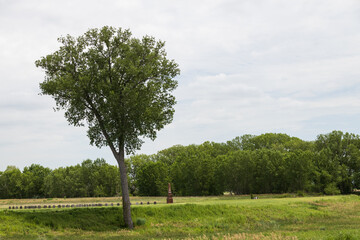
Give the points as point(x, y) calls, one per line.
point(247, 67)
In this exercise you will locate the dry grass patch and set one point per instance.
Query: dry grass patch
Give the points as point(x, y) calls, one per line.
point(246, 236)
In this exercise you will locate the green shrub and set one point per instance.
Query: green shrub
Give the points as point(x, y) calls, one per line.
point(344, 236)
point(300, 193)
point(331, 189)
point(140, 221)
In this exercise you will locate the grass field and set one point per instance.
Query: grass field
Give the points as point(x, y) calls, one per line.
point(225, 217)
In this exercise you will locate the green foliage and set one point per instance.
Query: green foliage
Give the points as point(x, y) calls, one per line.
point(268, 163)
point(338, 161)
point(119, 85)
point(33, 181)
point(152, 179)
point(344, 236)
point(11, 184)
point(140, 221)
point(193, 171)
point(331, 189)
point(91, 178)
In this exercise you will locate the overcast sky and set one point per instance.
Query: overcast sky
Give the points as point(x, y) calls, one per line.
point(247, 67)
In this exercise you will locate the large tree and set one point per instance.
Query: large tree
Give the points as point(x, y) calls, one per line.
point(118, 85)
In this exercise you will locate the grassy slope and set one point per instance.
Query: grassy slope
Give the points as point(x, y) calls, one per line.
point(335, 217)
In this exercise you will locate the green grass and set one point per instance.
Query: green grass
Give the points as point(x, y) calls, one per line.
point(226, 217)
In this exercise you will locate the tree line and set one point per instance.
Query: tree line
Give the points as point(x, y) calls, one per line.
point(88, 179)
point(268, 163)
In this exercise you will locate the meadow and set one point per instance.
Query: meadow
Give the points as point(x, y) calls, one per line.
point(224, 217)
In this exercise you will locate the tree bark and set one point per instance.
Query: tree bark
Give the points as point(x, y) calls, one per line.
point(124, 189)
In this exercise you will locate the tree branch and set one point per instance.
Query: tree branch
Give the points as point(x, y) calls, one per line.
point(140, 82)
point(101, 124)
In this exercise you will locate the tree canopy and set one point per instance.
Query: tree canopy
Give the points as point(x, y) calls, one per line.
point(119, 85)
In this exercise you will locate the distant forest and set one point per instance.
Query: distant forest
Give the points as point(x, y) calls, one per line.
point(268, 163)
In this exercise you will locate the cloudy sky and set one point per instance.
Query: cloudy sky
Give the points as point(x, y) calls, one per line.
point(247, 67)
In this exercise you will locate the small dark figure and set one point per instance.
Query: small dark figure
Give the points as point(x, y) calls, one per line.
point(155, 202)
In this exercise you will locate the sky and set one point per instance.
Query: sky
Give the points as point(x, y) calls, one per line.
point(247, 67)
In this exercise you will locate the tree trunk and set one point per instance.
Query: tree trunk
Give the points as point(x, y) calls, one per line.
point(124, 189)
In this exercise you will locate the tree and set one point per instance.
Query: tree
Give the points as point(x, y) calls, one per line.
point(118, 85)
point(55, 184)
point(152, 179)
point(134, 164)
point(11, 183)
point(299, 170)
point(33, 180)
point(342, 158)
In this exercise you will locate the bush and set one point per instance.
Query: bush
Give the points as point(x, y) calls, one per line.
point(331, 189)
point(300, 193)
point(344, 236)
point(140, 221)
